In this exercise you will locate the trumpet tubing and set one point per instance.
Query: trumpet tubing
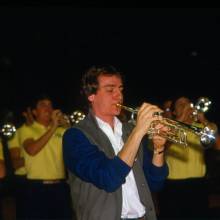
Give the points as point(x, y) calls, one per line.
point(175, 133)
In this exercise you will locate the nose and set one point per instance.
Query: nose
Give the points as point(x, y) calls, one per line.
point(48, 109)
point(118, 94)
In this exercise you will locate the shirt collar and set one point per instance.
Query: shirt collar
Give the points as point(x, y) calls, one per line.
point(117, 124)
point(37, 124)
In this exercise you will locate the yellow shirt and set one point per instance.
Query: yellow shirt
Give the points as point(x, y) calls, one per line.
point(1, 151)
point(48, 163)
point(186, 162)
point(15, 142)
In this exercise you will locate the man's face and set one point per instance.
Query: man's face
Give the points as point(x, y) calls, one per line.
point(181, 104)
point(43, 110)
point(108, 94)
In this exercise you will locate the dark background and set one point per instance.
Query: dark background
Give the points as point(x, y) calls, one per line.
point(163, 53)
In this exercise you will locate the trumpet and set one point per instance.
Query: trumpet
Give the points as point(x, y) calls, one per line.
point(8, 130)
point(202, 105)
point(177, 131)
point(72, 119)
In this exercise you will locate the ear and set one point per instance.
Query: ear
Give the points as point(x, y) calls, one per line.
point(91, 98)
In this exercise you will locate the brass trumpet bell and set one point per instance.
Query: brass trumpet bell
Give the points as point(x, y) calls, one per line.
point(76, 117)
point(203, 104)
point(8, 130)
point(73, 118)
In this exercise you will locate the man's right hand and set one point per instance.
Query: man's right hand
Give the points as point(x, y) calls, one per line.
point(145, 117)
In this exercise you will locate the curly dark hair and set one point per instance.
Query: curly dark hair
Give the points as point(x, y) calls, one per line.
point(90, 78)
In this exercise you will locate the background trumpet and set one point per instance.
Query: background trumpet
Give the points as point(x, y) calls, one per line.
point(202, 105)
point(177, 132)
point(7, 130)
point(71, 119)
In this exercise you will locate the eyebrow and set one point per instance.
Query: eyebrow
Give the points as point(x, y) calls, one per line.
point(112, 85)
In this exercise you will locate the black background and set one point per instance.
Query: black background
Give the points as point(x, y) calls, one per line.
point(163, 53)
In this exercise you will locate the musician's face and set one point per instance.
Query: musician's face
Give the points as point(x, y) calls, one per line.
point(108, 94)
point(181, 104)
point(43, 110)
point(167, 109)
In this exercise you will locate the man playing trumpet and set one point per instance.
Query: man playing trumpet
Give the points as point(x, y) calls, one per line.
point(48, 193)
point(186, 184)
point(111, 169)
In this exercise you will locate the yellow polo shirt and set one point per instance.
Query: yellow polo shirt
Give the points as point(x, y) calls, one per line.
point(15, 142)
point(1, 151)
point(186, 162)
point(48, 163)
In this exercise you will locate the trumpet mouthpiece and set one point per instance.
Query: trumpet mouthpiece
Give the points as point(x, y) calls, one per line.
point(127, 108)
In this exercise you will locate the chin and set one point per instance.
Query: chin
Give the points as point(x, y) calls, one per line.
point(117, 112)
